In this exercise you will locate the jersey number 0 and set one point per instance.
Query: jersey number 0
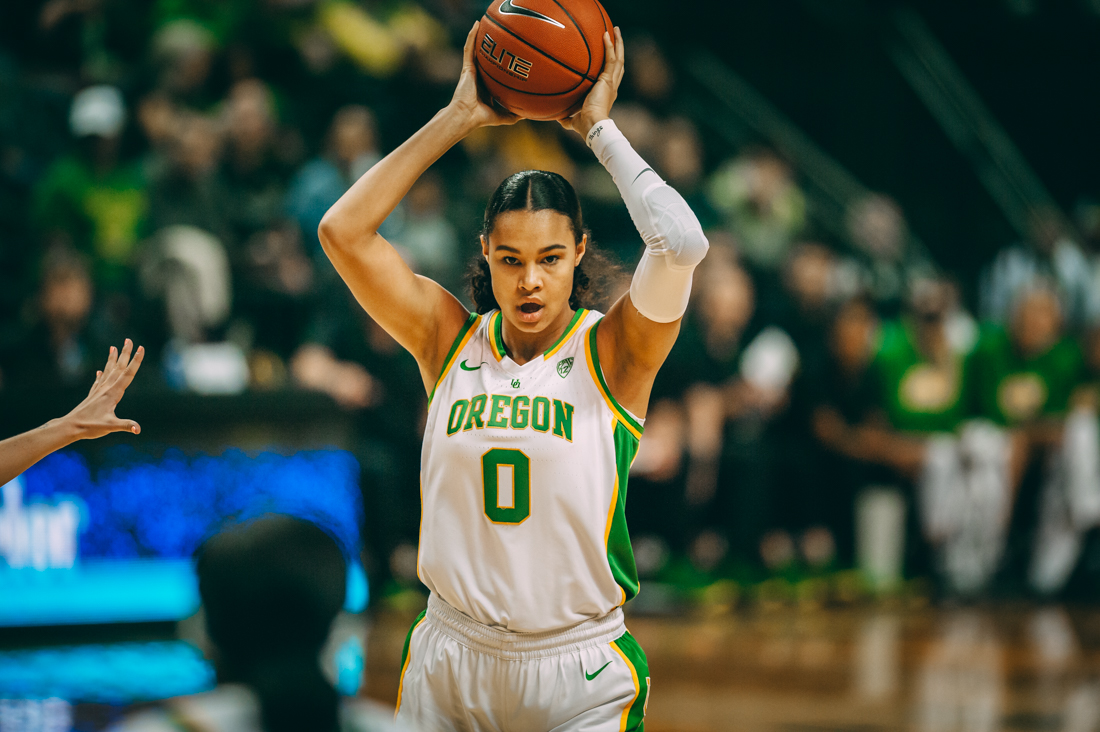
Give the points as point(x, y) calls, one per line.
point(507, 478)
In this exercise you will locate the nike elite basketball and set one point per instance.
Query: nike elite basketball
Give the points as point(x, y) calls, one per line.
point(539, 58)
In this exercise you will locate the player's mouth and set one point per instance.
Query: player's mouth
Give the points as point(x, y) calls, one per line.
point(530, 312)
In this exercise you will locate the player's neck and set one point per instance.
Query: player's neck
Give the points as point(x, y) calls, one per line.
point(523, 347)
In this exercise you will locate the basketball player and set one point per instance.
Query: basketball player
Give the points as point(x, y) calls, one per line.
point(94, 417)
point(535, 412)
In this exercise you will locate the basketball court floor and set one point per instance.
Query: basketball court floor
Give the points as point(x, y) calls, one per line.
point(944, 669)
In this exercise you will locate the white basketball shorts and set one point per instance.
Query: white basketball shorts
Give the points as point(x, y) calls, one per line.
point(458, 674)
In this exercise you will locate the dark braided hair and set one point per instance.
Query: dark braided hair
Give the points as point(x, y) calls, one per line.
point(541, 190)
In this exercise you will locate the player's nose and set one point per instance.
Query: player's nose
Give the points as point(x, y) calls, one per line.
point(531, 279)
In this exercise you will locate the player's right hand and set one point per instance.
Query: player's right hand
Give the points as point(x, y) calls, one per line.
point(95, 416)
point(467, 101)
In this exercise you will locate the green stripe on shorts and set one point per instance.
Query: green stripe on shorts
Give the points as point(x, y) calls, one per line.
point(635, 720)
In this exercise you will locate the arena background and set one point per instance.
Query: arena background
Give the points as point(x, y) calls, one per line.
point(904, 210)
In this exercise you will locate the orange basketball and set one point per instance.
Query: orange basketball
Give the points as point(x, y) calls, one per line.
point(539, 58)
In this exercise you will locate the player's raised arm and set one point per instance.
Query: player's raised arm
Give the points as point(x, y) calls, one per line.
point(636, 336)
point(93, 417)
point(417, 312)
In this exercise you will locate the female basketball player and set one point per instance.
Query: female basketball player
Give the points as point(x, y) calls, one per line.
point(535, 412)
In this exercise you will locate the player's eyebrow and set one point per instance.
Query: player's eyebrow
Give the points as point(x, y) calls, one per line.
point(544, 250)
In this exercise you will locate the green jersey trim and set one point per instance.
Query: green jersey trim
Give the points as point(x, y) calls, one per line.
point(570, 330)
point(459, 343)
point(596, 370)
point(620, 554)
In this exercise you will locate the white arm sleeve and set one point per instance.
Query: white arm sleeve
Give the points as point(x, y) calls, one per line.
point(674, 239)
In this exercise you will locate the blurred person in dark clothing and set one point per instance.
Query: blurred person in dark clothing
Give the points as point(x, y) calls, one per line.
point(834, 401)
point(425, 236)
point(351, 148)
point(348, 356)
point(188, 190)
point(254, 173)
point(271, 589)
point(803, 306)
point(886, 260)
point(94, 200)
point(57, 348)
point(728, 419)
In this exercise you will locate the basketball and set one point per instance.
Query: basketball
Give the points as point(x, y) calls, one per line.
point(539, 58)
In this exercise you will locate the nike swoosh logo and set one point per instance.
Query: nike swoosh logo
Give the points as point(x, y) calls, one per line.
point(508, 8)
point(464, 367)
point(592, 676)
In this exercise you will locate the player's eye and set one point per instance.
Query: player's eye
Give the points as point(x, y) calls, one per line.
point(552, 259)
point(511, 261)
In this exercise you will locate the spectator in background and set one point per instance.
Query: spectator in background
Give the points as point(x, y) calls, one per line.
point(270, 589)
point(920, 374)
point(886, 261)
point(424, 235)
point(187, 190)
point(273, 276)
point(93, 200)
point(58, 348)
point(730, 446)
point(762, 206)
point(803, 307)
point(351, 148)
point(1028, 371)
point(1050, 254)
point(836, 400)
point(182, 59)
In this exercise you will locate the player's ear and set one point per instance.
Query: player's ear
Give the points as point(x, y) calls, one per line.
point(582, 247)
point(484, 247)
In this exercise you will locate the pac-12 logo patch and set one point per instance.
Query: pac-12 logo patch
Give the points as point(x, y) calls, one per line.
point(565, 366)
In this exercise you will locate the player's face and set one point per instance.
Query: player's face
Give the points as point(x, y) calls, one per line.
point(531, 258)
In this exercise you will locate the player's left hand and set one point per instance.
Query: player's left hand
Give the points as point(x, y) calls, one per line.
point(597, 105)
point(95, 416)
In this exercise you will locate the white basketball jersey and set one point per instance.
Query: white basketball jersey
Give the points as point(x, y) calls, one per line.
point(523, 482)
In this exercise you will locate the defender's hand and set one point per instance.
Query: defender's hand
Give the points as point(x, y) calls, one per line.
point(466, 102)
point(95, 416)
point(597, 105)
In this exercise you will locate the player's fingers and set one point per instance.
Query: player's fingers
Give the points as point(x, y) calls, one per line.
point(128, 375)
point(608, 55)
point(112, 357)
point(124, 356)
point(468, 49)
point(620, 55)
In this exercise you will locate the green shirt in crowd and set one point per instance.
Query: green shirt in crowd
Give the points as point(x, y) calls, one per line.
point(103, 216)
point(1010, 389)
point(918, 396)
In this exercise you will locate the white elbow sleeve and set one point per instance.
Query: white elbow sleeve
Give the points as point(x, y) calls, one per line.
point(674, 239)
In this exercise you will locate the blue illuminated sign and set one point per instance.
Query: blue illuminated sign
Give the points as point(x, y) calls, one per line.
point(116, 546)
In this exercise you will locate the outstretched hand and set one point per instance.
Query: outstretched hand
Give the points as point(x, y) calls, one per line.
point(95, 416)
point(466, 100)
point(597, 105)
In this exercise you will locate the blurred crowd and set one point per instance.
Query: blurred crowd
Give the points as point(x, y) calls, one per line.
point(164, 166)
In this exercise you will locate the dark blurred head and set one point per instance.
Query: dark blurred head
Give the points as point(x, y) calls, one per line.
point(353, 133)
point(876, 225)
point(270, 590)
point(680, 154)
point(1046, 228)
point(183, 51)
point(809, 275)
point(66, 294)
point(1036, 321)
point(725, 297)
point(852, 335)
point(250, 118)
